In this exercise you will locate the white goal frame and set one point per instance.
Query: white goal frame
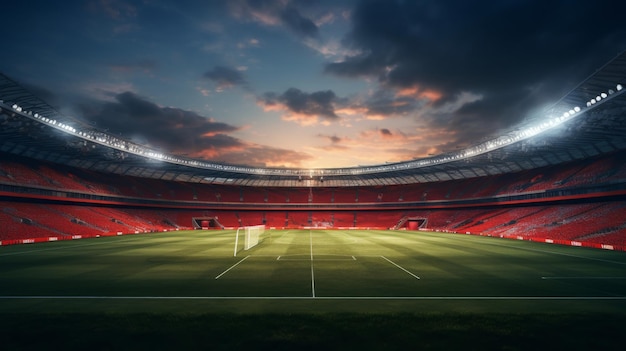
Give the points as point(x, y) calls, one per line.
point(252, 237)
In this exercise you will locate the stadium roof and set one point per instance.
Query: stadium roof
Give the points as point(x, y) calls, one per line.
point(588, 121)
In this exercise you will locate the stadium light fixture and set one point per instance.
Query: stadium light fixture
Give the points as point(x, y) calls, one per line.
point(603, 95)
point(619, 87)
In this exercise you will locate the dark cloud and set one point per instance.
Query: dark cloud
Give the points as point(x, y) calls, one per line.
point(225, 77)
point(182, 132)
point(449, 45)
point(276, 12)
point(319, 103)
point(516, 55)
point(172, 129)
point(385, 132)
point(335, 139)
point(300, 25)
point(336, 143)
point(385, 103)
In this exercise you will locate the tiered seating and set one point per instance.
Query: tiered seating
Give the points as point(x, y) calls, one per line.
point(48, 217)
point(155, 220)
point(14, 227)
point(345, 195)
point(590, 222)
point(384, 219)
point(249, 218)
point(300, 196)
point(226, 218)
point(298, 219)
point(393, 194)
point(253, 195)
point(275, 219)
point(323, 195)
point(343, 219)
point(437, 191)
point(276, 195)
point(414, 192)
point(322, 219)
point(22, 174)
point(366, 194)
point(228, 194)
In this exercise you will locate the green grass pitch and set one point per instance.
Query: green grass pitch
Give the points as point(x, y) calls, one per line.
point(311, 289)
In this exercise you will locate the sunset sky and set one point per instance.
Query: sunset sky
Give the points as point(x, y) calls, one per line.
point(303, 83)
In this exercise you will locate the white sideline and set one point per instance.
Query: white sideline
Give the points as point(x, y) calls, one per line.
point(453, 298)
point(312, 271)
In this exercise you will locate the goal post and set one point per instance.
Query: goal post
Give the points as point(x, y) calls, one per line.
point(248, 237)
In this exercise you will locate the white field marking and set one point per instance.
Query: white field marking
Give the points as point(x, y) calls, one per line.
point(231, 267)
point(486, 298)
point(583, 277)
point(315, 258)
point(311, 243)
point(312, 281)
point(312, 270)
point(393, 263)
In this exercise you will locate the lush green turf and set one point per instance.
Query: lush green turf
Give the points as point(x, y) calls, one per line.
point(372, 289)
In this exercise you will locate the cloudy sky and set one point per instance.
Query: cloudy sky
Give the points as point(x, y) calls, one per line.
point(304, 83)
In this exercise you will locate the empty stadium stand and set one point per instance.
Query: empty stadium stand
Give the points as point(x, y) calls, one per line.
point(583, 201)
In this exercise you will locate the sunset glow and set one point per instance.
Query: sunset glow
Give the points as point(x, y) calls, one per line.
point(312, 84)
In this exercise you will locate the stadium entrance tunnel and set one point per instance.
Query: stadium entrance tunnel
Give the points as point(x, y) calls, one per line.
point(206, 223)
point(416, 223)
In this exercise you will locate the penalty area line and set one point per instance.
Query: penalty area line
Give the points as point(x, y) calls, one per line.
point(231, 267)
point(395, 264)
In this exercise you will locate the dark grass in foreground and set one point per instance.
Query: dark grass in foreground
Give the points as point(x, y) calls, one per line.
point(405, 331)
point(95, 294)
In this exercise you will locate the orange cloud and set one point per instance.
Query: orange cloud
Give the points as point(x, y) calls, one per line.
point(418, 93)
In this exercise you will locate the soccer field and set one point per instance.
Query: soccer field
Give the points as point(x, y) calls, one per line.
point(339, 265)
point(309, 273)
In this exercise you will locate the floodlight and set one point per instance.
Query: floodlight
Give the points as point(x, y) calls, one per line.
point(598, 98)
point(611, 91)
point(603, 95)
point(619, 87)
point(571, 112)
point(593, 101)
point(577, 109)
point(588, 103)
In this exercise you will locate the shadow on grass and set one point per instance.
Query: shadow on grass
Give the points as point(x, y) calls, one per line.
point(328, 331)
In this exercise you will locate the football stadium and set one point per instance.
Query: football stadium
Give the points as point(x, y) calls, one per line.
point(515, 242)
point(518, 239)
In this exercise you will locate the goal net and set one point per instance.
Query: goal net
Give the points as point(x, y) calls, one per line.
point(248, 237)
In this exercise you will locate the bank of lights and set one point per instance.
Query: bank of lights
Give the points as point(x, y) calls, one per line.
point(502, 141)
point(603, 95)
